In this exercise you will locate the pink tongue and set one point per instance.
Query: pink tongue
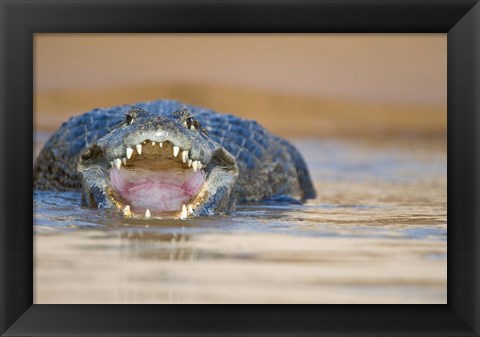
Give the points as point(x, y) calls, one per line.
point(165, 190)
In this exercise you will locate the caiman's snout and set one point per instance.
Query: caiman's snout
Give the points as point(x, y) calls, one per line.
point(158, 166)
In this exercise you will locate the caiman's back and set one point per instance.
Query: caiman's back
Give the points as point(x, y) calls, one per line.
point(268, 165)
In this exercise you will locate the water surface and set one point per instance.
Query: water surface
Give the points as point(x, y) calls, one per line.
point(376, 233)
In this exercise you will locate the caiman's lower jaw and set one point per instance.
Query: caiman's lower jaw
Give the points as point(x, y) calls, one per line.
point(157, 180)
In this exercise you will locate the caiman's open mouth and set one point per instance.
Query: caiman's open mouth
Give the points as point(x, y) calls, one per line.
point(158, 166)
point(157, 179)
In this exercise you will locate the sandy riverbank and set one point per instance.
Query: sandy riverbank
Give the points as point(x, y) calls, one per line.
point(284, 114)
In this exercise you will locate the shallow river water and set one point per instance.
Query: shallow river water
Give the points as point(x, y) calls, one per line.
point(376, 233)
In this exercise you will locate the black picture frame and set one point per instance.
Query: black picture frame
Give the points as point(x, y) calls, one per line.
point(20, 20)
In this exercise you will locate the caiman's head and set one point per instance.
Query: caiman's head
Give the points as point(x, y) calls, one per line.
point(158, 166)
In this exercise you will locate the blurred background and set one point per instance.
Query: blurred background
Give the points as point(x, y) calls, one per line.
point(314, 85)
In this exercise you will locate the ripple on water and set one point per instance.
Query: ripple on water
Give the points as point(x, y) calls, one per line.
point(376, 232)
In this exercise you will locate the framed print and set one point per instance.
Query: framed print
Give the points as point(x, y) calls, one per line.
point(356, 217)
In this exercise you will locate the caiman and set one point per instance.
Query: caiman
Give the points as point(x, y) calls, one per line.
point(168, 159)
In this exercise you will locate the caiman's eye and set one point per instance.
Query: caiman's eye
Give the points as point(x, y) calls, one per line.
point(128, 119)
point(192, 124)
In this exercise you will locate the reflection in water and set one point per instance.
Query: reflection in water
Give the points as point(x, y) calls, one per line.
point(376, 234)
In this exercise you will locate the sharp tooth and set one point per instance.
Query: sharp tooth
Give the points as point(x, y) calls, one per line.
point(153, 143)
point(139, 148)
point(184, 214)
point(129, 152)
point(190, 163)
point(111, 163)
point(126, 211)
point(195, 166)
point(118, 163)
point(200, 165)
point(124, 161)
point(192, 127)
point(176, 149)
point(190, 209)
point(184, 156)
point(144, 142)
point(161, 144)
point(147, 214)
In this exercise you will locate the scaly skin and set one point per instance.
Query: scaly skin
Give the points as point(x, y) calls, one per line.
point(267, 165)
